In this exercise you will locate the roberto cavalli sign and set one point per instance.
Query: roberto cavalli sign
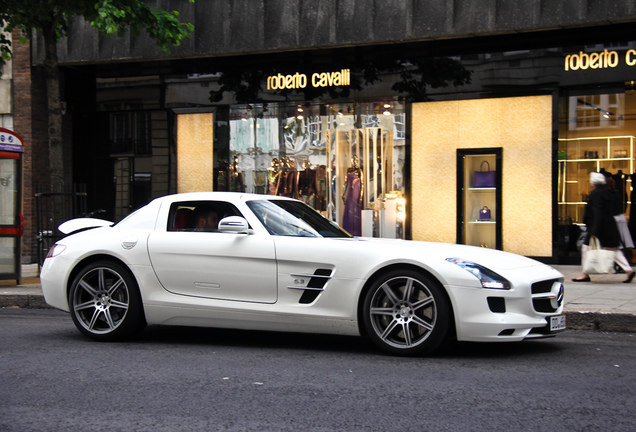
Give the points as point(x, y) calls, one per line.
point(599, 60)
point(318, 79)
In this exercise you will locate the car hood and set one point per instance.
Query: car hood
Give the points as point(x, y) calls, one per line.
point(491, 258)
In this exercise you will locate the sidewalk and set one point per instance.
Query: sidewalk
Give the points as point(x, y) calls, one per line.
point(606, 304)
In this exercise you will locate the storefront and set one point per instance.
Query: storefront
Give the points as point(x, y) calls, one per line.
point(596, 131)
point(486, 149)
point(346, 160)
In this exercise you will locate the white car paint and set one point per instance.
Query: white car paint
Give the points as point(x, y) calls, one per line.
point(257, 281)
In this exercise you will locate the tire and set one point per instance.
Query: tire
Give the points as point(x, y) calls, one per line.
point(105, 302)
point(406, 313)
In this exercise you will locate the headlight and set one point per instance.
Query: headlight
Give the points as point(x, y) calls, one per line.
point(488, 278)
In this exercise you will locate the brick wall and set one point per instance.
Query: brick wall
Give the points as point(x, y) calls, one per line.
point(30, 122)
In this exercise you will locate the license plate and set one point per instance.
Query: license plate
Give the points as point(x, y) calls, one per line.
point(557, 323)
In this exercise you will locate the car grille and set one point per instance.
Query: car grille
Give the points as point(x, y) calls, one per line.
point(546, 296)
point(314, 287)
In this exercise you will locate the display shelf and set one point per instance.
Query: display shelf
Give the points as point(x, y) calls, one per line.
point(472, 230)
point(580, 156)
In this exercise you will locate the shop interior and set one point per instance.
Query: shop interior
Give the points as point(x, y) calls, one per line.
point(345, 160)
point(596, 134)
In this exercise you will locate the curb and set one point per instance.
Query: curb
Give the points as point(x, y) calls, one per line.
point(576, 320)
point(604, 321)
point(23, 301)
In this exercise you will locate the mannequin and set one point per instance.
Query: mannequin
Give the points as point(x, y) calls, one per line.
point(273, 177)
point(352, 197)
point(307, 184)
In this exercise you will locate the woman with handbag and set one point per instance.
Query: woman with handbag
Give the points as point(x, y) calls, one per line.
point(623, 230)
point(600, 222)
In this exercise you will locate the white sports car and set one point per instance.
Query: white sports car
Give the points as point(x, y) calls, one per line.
point(234, 260)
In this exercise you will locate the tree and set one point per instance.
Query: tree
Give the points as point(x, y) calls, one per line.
point(52, 17)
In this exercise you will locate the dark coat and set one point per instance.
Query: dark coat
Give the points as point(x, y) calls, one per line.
point(599, 218)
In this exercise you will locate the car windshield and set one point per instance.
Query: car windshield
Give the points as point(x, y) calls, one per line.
point(293, 218)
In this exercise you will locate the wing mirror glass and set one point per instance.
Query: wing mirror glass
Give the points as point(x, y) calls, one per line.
point(235, 224)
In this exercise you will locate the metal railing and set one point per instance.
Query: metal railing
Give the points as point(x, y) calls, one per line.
point(50, 210)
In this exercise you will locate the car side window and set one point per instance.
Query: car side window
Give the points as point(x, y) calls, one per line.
point(199, 216)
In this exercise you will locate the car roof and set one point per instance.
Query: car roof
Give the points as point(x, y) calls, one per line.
point(233, 197)
point(157, 210)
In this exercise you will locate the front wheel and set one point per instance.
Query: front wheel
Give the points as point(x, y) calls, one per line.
point(105, 302)
point(406, 313)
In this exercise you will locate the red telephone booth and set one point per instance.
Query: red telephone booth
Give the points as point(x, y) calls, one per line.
point(11, 222)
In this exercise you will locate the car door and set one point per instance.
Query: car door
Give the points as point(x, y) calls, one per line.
point(215, 265)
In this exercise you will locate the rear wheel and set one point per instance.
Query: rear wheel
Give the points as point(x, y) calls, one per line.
point(406, 313)
point(105, 302)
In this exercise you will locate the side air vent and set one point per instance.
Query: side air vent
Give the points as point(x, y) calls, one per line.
point(497, 304)
point(313, 288)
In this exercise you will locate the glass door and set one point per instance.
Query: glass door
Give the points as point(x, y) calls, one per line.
point(479, 197)
point(10, 221)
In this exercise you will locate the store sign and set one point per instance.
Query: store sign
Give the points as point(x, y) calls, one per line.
point(598, 60)
point(10, 141)
point(298, 80)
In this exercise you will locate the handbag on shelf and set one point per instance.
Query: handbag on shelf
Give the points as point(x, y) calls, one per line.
point(484, 213)
point(484, 179)
point(597, 259)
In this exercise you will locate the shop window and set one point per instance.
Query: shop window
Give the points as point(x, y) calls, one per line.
point(596, 111)
point(479, 197)
point(604, 142)
point(399, 120)
point(344, 160)
point(130, 133)
point(142, 189)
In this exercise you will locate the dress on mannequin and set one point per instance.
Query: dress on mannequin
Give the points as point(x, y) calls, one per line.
point(273, 177)
point(352, 196)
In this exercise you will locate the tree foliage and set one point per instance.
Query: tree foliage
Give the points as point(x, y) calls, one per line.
point(415, 76)
point(51, 18)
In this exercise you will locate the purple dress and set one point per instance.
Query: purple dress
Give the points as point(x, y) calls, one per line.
point(352, 218)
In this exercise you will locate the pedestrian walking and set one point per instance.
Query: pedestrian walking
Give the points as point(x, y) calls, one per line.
point(600, 223)
point(623, 230)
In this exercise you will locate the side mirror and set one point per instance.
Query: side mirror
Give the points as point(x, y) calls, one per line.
point(235, 224)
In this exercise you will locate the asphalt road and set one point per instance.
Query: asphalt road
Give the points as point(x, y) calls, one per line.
point(184, 379)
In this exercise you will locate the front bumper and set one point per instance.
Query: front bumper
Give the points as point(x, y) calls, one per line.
point(523, 312)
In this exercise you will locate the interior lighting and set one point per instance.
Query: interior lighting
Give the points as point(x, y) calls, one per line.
point(401, 209)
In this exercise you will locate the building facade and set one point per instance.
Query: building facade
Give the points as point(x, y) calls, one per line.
point(471, 122)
